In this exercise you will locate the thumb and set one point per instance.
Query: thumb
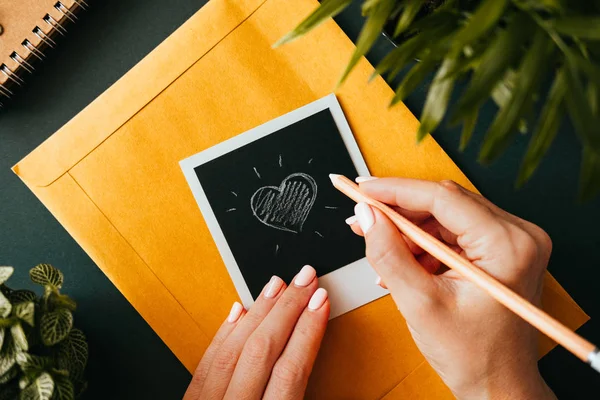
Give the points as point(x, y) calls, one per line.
point(391, 258)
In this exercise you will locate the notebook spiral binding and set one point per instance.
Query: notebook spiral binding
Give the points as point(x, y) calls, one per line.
point(30, 54)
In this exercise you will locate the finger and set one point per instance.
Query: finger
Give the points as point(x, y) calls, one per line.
point(380, 282)
point(416, 217)
point(353, 223)
point(292, 370)
point(429, 262)
point(443, 200)
point(224, 362)
point(391, 258)
point(195, 388)
point(265, 345)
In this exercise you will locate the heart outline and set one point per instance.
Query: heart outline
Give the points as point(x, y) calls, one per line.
point(299, 216)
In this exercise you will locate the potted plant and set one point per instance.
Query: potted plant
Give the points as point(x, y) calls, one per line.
point(42, 356)
point(503, 49)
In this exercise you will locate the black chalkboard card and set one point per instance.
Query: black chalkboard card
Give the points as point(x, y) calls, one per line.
point(270, 206)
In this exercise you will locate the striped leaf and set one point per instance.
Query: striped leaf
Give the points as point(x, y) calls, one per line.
point(46, 274)
point(73, 354)
point(5, 306)
point(40, 389)
point(25, 312)
point(31, 364)
point(63, 389)
point(19, 338)
point(21, 296)
point(55, 326)
point(5, 273)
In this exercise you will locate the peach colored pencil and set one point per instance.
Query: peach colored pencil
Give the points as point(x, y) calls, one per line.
point(564, 336)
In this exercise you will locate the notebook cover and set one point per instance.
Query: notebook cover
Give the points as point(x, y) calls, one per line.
point(112, 179)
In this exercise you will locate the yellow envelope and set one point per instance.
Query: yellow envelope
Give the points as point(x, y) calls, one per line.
point(111, 177)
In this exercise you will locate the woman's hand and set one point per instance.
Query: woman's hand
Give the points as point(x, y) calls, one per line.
point(477, 346)
point(269, 351)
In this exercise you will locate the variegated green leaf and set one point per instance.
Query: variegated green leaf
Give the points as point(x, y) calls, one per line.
point(46, 274)
point(580, 110)
point(63, 388)
point(30, 363)
point(581, 26)
point(19, 338)
point(546, 130)
point(370, 31)
point(468, 126)
point(40, 389)
point(9, 375)
point(410, 11)
point(530, 72)
point(5, 306)
point(2, 335)
point(7, 356)
point(5, 273)
point(485, 18)
point(25, 312)
point(496, 60)
point(73, 354)
point(21, 296)
point(437, 99)
point(412, 80)
point(55, 326)
point(327, 9)
point(589, 177)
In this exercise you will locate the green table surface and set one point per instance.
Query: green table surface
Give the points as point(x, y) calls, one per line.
point(127, 359)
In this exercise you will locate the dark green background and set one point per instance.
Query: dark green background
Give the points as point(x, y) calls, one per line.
point(127, 360)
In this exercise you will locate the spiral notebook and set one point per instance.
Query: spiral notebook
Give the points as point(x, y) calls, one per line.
point(29, 29)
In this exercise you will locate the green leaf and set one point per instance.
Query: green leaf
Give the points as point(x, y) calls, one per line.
point(485, 18)
point(530, 72)
point(411, 9)
point(589, 177)
point(369, 33)
point(41, 389)
point(495, 62)
point(63, 389)
point(327, 9)
point(5, 273)
point(19, 338)
point(2, 335)
point(502, 92)
point(546, 129)
point(580, 110)
point(398, 58)
point(46, 274)
point(55, 326)
point(436, 102)
point(591, 70)
point(412, 80)
point(73, 354)
point(21, 296)
point(31, 364)
point(468, 126)
point(25, 312)
point(581, 26)
point(5, 306)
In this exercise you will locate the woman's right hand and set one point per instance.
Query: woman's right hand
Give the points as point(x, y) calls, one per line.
point(477, 346)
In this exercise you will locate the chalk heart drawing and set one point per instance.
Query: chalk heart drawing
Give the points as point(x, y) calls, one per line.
point(285, 207)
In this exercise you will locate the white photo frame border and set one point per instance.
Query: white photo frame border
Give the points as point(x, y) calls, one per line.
point(348, 287)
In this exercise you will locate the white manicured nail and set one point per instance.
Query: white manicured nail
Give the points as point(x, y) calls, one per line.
point(351, 220)
point(365, 216)
point(362, 179)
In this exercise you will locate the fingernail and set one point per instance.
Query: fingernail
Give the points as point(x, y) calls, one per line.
point(305, 276)
point(361, 179)
point(378, 280)
point(351, 220)
point(318, 299)
point(273, 287)
point(235, 313)
point(365, 216)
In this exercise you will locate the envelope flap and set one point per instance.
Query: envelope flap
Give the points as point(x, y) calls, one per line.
point(134, 90)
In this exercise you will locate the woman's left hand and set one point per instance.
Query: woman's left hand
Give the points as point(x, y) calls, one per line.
point(267, 352)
